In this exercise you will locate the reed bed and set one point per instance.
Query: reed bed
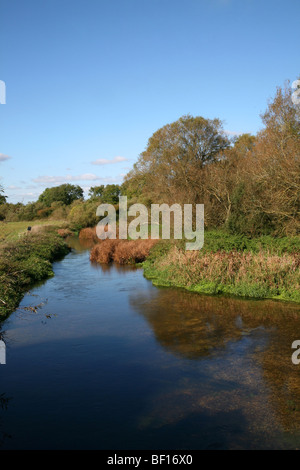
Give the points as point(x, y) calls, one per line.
point(88, 234)
point(249, 274)
point(64, 232)
point(91, 233)
point(121, 251)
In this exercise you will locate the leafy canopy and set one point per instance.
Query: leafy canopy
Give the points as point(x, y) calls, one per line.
point(65, 193)
point(108, 194)
point(2, 197)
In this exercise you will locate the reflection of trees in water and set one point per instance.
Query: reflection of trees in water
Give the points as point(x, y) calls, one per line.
point(197, 327)
point(194, 326)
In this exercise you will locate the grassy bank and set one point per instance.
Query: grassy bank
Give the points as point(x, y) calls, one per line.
point(259, 268)
point(24, 261)
point(10, 231)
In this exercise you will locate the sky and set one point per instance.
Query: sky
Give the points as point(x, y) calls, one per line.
point(89, 81)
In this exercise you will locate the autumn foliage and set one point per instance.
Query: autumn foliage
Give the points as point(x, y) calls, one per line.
point(88, 234)
point(121, 251)
point(248, 186)
point(64, 232)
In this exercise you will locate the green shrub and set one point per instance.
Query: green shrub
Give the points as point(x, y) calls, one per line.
point(83, 214)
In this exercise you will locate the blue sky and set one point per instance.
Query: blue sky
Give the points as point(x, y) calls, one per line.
point(89, 81)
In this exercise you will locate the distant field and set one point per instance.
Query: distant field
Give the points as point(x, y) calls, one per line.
point(12, 230)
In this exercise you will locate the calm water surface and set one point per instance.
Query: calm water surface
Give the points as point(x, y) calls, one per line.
point(112, 362)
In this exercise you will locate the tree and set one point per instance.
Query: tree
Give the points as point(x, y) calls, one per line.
point(224, 182)
point(96, 191)
point(108, 194)
point(243, 144)
point(65, 193)
point(275, 166)
point(170, 167)
point(111, 194)
point(83, 214)
point(2, 197)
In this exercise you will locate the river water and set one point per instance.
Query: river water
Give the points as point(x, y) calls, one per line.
point(109, 361)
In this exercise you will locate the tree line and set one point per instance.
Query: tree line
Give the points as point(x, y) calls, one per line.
point(248, 184)
point(63, 202)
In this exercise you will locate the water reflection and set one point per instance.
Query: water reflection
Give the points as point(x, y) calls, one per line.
point(194, 326)
point(112, 268)
point(79, 245)
point(248, 348)
point(127, 365)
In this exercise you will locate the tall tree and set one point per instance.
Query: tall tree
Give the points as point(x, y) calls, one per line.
point(223, 182)
point(275, 167)
point(170, 167)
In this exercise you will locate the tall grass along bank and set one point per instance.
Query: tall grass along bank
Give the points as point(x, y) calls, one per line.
point(122, 251)
point(258, 268)
point(24, 262)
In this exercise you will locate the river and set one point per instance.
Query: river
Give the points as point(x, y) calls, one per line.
point(109, 361)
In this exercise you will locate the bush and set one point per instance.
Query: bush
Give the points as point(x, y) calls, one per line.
point(64, 232)
point(83, 214)
point(219, 240)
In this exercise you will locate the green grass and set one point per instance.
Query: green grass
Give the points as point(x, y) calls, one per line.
point(264, 267)
point(24, 261)
point(218, 240)
point(13, 230)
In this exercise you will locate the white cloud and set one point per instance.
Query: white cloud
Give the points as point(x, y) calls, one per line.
point(53, 180)
point(66, 179)
point(232, 133)
point(13, 187)
point(105, 161)
point(4, 157)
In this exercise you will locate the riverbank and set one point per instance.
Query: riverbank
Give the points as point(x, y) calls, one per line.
point(11, 231)
point(25, 261)
point(253, 268)
point(179, 359)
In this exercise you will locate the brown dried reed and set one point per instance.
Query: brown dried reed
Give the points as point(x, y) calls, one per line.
point(121, 251)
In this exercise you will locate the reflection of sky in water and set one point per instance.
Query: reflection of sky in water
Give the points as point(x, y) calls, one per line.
point(122, 364)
